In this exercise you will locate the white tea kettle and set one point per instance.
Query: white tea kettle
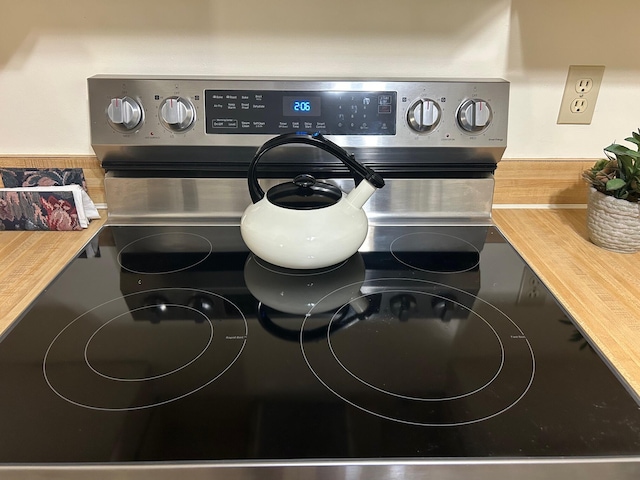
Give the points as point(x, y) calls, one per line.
point(306, 223)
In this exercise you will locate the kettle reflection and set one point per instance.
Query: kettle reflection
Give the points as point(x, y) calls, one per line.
point(299, 291)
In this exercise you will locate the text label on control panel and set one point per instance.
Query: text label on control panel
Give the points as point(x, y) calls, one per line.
point(275, 112)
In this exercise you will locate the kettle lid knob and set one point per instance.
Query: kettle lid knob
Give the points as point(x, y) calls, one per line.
point(304, 180)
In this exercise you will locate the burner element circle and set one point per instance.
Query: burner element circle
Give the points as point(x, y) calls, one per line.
point(141, 344)
point(442, 370)
point(386, 331)
point(163, 253)
point(433, 252)
point(102, 365)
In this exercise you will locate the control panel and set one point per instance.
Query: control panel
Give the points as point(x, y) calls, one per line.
point(276, 112)
point(140, 117)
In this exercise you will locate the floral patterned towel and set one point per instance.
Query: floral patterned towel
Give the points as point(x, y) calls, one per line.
point(42, 177)
point(38, 210)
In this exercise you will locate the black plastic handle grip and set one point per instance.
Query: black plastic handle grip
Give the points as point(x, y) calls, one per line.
point(359, 171)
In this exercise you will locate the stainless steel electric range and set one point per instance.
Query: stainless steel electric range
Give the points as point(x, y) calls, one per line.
point(167, 348)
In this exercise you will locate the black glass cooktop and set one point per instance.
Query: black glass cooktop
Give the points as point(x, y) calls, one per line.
point(172, 343)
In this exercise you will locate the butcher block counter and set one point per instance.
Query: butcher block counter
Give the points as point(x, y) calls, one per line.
point(29, 261)
point(600, 289)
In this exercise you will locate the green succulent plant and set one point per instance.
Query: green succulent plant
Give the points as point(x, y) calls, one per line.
point(618, 175)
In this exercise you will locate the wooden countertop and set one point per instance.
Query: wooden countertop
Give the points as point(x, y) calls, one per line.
point(600, 289)
point(29, 261)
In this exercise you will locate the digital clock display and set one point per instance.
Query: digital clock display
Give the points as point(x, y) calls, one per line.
point(301, 106)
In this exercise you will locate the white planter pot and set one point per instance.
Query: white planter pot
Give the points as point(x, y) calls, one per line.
point(613, 224)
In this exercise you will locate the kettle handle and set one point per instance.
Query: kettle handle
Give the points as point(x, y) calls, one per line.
point(359, 171)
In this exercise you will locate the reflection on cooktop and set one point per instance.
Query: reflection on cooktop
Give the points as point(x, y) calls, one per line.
point(419, 346)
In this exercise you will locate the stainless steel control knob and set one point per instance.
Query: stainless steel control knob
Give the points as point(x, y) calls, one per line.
point(124, 114)
point(177, 114)
point(474, 115)
point(423, 115)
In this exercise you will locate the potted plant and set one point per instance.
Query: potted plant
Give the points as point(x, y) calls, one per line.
point(613, 210)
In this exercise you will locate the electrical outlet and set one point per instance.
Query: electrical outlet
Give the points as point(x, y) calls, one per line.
point(531, 290)
point(584, 85)
point(580, 94)
point(579, 105)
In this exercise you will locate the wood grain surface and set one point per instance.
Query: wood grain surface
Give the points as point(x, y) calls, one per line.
point(600, 289)
point(29, 261)
point(549, 181)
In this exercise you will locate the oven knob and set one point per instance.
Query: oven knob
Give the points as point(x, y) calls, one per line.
point(423, 115)
point(204, 305)
point(177, 114)
point(474, 115)
point(444, 307)
point(124, 114)
point(403, 305)
point(157, 308)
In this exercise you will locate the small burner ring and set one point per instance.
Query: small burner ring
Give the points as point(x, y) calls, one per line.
point(464, 255)
point(191, 249)
point(150, 377)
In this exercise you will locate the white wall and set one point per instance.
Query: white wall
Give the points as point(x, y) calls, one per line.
point(49, 48)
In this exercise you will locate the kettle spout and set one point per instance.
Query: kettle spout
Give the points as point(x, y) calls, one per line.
point(359, 195)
